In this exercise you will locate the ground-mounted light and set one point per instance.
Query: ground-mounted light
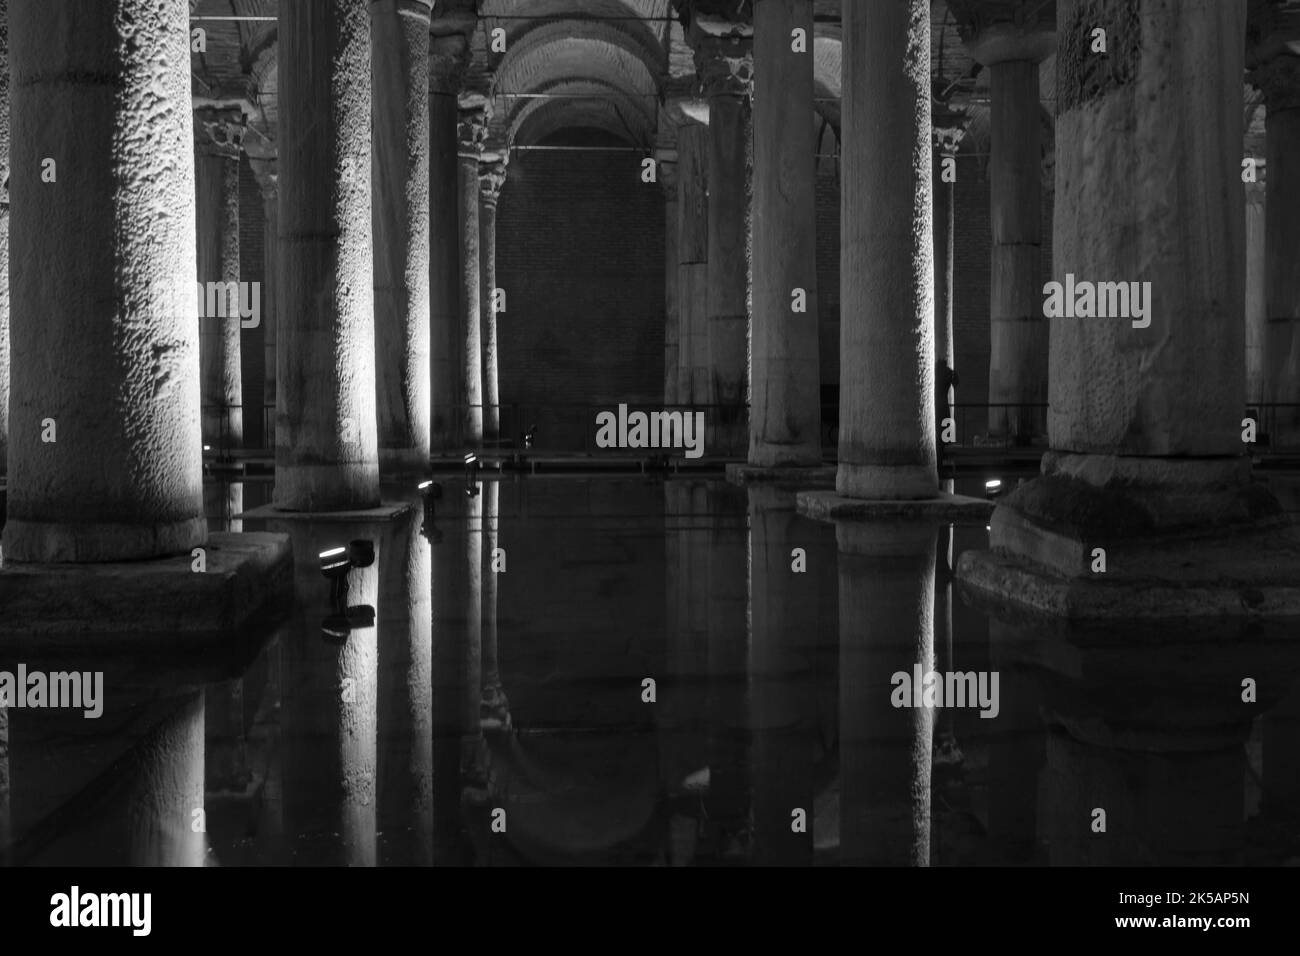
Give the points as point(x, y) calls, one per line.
point(992, 487)
point(335, 563)
point(471, 475)
point(361, 553)
point(530, 436)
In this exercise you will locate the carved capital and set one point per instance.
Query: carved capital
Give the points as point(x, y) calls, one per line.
point(949, 126)
point(471, 132)
point(1005, 31)
point(1278, 78)
point(725, 65)
point(492, 177)
point(219, 132)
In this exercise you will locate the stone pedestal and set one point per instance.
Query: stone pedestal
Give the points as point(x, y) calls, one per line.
point(400, 39)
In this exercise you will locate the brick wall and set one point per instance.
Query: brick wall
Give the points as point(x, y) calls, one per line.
point(580, 253)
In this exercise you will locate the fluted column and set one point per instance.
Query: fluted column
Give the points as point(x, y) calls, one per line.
point(887, 427)
point(218, 138)
point(326, 455)
point(785, 417)
point(492, 176)
point(105, 450)
point(472, 132)
point(400, 37)
point(725, 66)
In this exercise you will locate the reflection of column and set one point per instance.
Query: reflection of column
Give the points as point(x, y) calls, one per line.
point(1281, 759)
point(216, 177)
point(725, 66)
point(101, 283)
point(472, 132)
point(400, 37)
point(949, 129)
point(1016, 751)
point(783, 611)
point(326, 445)
point(785, 413)
point(946, 748)
point(693, 257)
point(165, 787)
point(495, 707)
point(6, 833)
point(329, 708)
point(886, 627)
point(405, 811)
point(491, 178)
point(672, 314)
point(887, 428)
point(222, 500)
point(727, 600)
point(4, 248)
point(1256, 311)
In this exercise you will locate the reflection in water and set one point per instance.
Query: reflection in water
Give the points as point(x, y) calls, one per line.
point(773, 737)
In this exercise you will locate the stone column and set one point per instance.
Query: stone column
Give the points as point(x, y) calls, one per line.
point(326, 454)
point(1018, 330)
point(1279, 79)
point(1256, 309)
point(447, 63)
point(887, 428)
point(105, 460)
point(400, 38)
point(785, 417)
point(495, 708)
point(472, 132)
point(725, 65)
point(724, 594)
point(218, 141)
point(270, 287)
point(4, 247)
point(6, 817)
point(949, 126)
point(693, 256)
point(672, 267)
point(492, 176)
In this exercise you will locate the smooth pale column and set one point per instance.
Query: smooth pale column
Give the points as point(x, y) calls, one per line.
point(400, 36)
point(495, 708)
point(785, 420)
point(725, 67)
point(492, 177)
point(693, 256)
point(1018, 330)
point(104, 351)
point(1280, 81)
point(216, 174)
point(4, 243)
point(1256, 311)
point(326, 454)
point(887, 427)
point(1170, 392)
point(444, 258)
point(672, 316)
point(472, 131)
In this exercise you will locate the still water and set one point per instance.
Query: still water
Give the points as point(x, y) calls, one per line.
point(638, 672)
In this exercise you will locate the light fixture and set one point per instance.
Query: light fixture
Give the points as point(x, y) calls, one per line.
point(334, 563)
point(471, 475)
point(530, 436)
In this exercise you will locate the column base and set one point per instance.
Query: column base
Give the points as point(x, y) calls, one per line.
point(1176, 538)
point(797, 476)
point(333, 487)
point(143, 603)
point(877, 482)
point(41, 542)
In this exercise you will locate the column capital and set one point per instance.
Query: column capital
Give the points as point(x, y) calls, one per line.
point(948, 127)
point(1006, 31)
point(219, 131)
point(471, 132)
point(1278, 78)
point(492, 176)
point(725, 64)
point(668, 176)
point(267, 174)
point(449, 44)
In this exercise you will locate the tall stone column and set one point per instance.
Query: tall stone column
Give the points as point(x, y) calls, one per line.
point(1256, 307)
point(492, 176)
point(887, 427)
point(105, 460)
point(270, 285)
point(1279, 79)
point(400, 38)
point(326, 454)
point(472, 132)
point(785, 417)
point(446, 68)
point(672, 310)
point(1018, 330)
point(949, 126)
point(693, 256)
point(216, 173)
point(725, 65)
point(495, 708)
point(4, 242)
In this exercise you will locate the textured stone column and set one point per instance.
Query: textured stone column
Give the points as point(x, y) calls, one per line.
point(887, 427)
point(4, 249)
point(1279, 79)
point(1256, 309)
point(693, 256)
point(104, 414)
point(495, 708)
point(725, 66)
point(492, 176)
point(672, 267)
point(400, 38)
point(785, 417)
point(472, 132)
point(1018, 330)
point(270, 287)
point(447, 63)
point(949, 126)
point(326, 454)
point(886, 602)
point(216, 174)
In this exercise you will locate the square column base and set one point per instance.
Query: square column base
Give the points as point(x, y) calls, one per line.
point(817, 476)
point(831, 506)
